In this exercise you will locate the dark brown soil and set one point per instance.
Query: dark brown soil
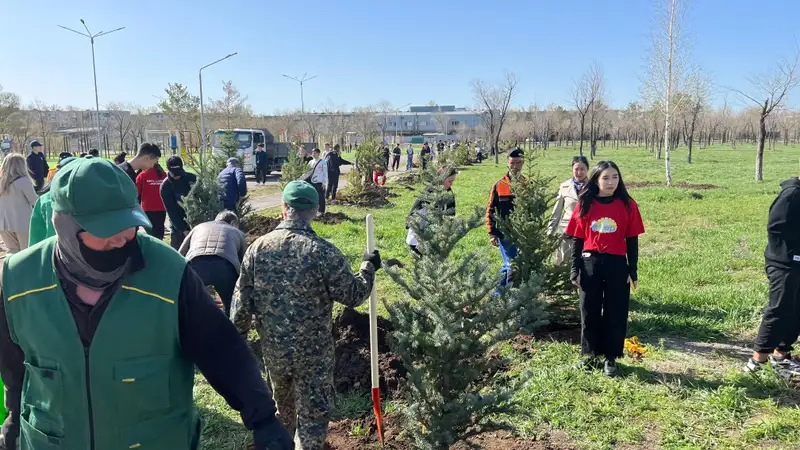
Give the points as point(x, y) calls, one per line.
point(257, 225)
point(341, 437)
point(330, 218)
point(646, 184)
point(371, 197)
point(352, 369)
point(408, 178)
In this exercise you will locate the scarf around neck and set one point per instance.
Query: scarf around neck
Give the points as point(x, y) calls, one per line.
point(69, 262)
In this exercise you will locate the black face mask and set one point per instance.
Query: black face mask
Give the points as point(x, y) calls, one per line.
point(108, 260)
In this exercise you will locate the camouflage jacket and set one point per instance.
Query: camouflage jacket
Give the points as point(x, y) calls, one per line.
point(289, 281)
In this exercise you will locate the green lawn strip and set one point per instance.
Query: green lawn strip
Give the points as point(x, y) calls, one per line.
point(701, 279)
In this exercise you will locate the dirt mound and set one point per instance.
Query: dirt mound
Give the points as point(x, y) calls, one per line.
point(407, 178)
point(257, 225)
point(646, 184)
point(329, 218)
point(352, 369)
point(371, 196)
point(341, 436)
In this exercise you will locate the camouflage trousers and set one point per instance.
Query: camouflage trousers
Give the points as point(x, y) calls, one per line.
point(303, 391)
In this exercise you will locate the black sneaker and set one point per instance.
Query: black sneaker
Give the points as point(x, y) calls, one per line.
point(786, 365)
point(610, 368)
point(590, 363)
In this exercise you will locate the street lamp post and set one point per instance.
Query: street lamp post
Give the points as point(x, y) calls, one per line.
point(92, 37)
point(302, 80)
point(202, 109)
point(397, 121)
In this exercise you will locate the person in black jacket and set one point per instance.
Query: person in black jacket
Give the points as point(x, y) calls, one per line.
point(396, 157)
point(780, 324)
point(261, 165)
point(173, 189)
point(37, 165)
point(335, 162)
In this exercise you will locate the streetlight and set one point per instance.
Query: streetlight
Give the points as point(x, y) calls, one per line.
point(397, 120)
point(202, 111)
point(302, 80)
point(92, 37)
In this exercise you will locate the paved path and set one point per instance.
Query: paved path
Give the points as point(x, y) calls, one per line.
point(271, 201)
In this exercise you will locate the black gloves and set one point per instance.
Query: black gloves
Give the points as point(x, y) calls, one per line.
point(374, 257)
point(273, 436)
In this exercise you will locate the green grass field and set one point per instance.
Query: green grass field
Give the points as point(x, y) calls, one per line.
point(701, 290)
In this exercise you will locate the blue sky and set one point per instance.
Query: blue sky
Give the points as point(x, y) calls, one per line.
point(366, 51)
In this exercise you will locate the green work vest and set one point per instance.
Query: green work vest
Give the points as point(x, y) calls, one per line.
point(131, 388)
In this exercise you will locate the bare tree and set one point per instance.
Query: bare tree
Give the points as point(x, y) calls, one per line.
point(22, 127)
point(122, 121)
point(9, 104)
point(232, 108)
point(587, 91)
point(597, 113)
point(768, 92)
point(365, 122)
point(442, 119)
point(494, 101)
point(697, 89)
point(666, 68)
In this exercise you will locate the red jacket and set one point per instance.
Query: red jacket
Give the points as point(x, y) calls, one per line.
point(148, 184)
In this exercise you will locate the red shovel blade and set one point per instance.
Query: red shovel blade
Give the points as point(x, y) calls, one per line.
point(376, 407)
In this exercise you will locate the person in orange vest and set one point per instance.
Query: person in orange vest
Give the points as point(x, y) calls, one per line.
point(501, 203)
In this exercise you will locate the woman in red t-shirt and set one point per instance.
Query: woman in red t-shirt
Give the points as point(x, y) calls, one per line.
point(605, 226)
point(148, 185)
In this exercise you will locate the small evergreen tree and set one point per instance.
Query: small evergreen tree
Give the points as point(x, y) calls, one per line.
point(294, 167)
point(445, 327)
point(367, 155)
point(527, 228)
point(203, 202)
point(229, 148)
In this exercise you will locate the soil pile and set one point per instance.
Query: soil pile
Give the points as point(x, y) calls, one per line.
point(372, 196)
point(257, 225)
point(352, 367)
point(330, 218)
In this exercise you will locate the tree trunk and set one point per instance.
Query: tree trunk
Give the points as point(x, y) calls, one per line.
point(762, 134)
point(583, 122)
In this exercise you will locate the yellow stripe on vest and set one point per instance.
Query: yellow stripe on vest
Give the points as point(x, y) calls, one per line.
point(32, 291)
point(135, 446)
point(164, 299)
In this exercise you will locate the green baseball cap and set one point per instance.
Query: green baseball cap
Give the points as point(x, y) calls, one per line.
point(300, 195)
point(98, 195)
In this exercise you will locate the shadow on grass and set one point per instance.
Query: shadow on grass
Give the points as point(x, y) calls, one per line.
point(221, 432)
point(765, 385)
point(661, 317)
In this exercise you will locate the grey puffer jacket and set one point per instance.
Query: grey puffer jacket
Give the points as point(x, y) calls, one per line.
point(215, 238)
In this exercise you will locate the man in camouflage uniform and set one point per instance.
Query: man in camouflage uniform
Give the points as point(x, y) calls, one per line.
point(289, 281)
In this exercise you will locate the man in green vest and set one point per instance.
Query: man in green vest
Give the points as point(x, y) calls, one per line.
point(101, 327)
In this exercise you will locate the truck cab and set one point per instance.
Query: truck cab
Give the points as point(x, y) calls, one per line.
point(247, 140)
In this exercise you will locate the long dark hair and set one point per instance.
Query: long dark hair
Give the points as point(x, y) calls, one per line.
point(591, 188)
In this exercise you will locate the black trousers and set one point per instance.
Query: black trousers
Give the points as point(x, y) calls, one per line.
point(218, 272)
point(176, 238)
point(261, 173)
point(333, 186)
point(157, 219)
point(321, 193)
point(780, 325)
point(605, 299)
point(396, 162)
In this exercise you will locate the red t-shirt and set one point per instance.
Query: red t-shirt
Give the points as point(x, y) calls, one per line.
point(148, 185)
point(606, 226)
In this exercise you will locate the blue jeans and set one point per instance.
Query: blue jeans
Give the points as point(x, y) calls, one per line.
point(508, 251)
point(409, 161)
